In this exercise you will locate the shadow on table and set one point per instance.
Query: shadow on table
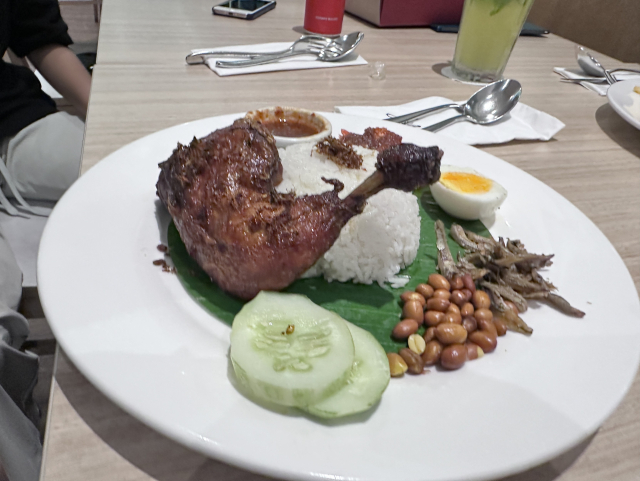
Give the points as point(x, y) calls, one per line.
point(145, 448)
point(165, 460)
point(437, 67)
point(621, 132)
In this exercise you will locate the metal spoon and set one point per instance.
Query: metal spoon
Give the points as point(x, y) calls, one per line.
point(479, 96)
point(591, 66)
point(498, 99)
point(334, 51)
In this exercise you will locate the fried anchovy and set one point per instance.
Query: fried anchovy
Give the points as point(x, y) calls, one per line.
point(475, 258)
point(533, 261)
point(516, 247)
point(467, 268)
point(542, 281)
point(457, 232)
point(460, 236)
point(563, 305)
point(446, 264)
point(519, 283)
point(507, 293)
point(511, 319)
point(487, 243)
point(506, 270)
point(556, 301)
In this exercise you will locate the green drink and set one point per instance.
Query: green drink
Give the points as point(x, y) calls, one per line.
point(488, 31)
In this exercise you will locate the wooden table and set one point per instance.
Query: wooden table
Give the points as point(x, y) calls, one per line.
point(141, 85)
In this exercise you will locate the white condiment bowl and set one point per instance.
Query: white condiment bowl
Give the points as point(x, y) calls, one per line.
point(293, 115)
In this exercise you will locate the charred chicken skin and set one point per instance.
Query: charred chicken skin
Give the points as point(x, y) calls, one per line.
point(220, 191)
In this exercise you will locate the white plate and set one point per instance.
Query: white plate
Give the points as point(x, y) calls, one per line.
point(625, 101)
point(136, 334)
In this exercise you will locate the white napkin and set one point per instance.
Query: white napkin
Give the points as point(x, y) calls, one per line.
point(524, 122)
point(600, 89)
point(294, 63)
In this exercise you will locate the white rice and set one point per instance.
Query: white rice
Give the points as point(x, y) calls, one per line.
point(374, 245)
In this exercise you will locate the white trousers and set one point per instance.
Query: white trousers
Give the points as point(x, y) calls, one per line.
point(40, 163)
point(42, 160)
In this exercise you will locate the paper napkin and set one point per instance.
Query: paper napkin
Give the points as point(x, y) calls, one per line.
point(600, 89)
point(523, 123)
point(301, 62)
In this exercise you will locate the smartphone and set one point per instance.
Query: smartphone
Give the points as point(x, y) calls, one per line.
point(246, 9)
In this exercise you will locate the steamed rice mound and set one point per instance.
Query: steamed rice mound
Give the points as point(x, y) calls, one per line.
point(374, 245)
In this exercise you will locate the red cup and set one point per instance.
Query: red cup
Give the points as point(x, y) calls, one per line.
point(324, 16)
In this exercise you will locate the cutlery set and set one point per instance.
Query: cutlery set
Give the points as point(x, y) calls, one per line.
point(591, 66)
point(325, 49)
point(488, 105)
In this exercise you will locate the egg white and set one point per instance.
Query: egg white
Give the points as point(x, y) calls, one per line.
point(468, 206)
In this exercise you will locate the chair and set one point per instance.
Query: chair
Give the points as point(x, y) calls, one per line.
point(14, 59)
point(97, 6)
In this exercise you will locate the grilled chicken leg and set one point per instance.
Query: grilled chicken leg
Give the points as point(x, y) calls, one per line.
point(220, 191)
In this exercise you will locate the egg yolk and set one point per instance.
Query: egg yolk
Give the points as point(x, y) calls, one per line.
point(466, 183)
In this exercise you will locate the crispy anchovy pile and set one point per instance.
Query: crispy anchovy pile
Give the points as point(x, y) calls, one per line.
point(504, 269)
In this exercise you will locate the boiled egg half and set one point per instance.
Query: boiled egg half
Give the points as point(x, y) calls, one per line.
point(466, 194)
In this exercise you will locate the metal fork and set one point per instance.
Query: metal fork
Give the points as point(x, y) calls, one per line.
point(309, 50)
point(199, 56)
point(336, 50)
point(585, 79)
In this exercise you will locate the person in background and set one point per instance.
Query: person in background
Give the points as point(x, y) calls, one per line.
point(40, 152)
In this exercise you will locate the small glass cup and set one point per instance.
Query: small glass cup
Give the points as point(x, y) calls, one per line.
point(488, 31)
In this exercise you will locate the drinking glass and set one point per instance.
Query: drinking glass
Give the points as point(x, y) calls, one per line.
point(488, 31)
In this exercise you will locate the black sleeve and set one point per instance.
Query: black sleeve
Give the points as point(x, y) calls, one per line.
point(34, 24)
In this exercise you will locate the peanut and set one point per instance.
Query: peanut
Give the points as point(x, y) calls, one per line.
point(405, 328)
point(448, 333)
point(483, 313)
point(432, 351)
point(425, 290)
point(488, 326)
point(501, 326)
point(413, 310)
point(452, 318)
point(429, 334)
point(467, 294)
point(416, 343)
point(513, 307)
point(413, 296)
point(438, 281)
point(433, 318)
point(473, 351)
point(481, 300)
point(453, 356)
point(442, 294)
point(453, 308)
point(397, 366)
point(485, 340)
point(415, 364)
point(466, 309)
point(467, 280)
point(438, 304)
point(470, 324)
point(456, 283)
point(458, 297)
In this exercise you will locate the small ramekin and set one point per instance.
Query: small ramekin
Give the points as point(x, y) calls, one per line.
point(312, 118)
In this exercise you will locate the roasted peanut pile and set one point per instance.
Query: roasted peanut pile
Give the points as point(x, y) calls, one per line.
point(460, 325)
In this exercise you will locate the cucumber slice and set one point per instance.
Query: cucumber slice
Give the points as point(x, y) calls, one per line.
point(368, 380)
point(287, 350)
